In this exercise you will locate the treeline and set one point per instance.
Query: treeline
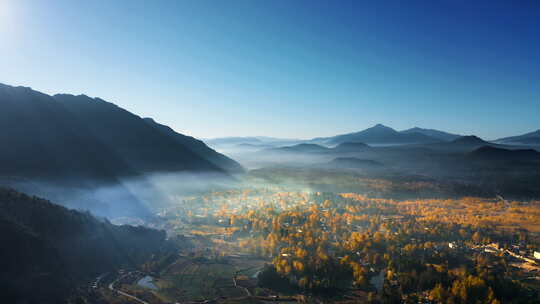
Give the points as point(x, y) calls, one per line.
point(324, 243)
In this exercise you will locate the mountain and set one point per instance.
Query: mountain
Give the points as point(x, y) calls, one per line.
point(432, 133)
point(350, 147)
point(492, 153)
point(41, 138)
point(530, 141)
point(142, 146)
point(199, 147)
point(48, 249)
point(378, 134)
point(301, 148)
point(528, 138)
point(463, 144)
point(469, 140)
point(78, 136)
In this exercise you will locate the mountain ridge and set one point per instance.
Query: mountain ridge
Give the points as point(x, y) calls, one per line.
point(531, 137)
point(378, 134)
point(432, 133)
point(68, 135)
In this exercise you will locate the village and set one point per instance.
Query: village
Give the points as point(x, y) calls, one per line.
point(300, 246)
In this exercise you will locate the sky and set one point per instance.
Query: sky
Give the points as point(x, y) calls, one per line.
point(295, 69)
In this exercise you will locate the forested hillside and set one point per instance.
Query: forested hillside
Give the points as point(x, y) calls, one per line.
point(48, 249)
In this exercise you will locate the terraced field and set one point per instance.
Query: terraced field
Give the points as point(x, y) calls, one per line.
point(199, 279)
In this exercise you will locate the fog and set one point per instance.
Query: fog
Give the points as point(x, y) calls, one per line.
point(139, 199)
point(128, 198)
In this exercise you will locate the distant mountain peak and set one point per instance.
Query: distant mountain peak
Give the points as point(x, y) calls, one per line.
point(381, 126)
point(378, 129)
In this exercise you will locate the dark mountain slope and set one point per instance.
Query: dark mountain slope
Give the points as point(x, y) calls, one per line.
point(78, 136)
point(492, 153)
point(469, 140)
point(142, 146)
point(198, 147)
point(463, 144)
point(378, 134)
point(40, 138)
point(432, 133)
point(48, 249)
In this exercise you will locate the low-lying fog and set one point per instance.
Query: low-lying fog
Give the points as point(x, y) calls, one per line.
point(139, 197)
point(144, 196)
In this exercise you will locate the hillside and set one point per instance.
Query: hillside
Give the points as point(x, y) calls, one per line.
point(141, 146)
point(49, 249)
point(41, 138)
point(198, 147)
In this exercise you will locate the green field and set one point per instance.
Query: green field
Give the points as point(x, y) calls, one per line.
point(197, 279)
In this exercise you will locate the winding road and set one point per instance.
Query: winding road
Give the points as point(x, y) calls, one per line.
point(111, 287)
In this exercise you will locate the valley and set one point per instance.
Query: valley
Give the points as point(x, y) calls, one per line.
point(275, 242)
point(269, 152)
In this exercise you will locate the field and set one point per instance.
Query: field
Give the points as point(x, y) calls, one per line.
point(199, 279)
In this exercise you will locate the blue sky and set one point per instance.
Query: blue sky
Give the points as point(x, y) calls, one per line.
point(286, 68)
